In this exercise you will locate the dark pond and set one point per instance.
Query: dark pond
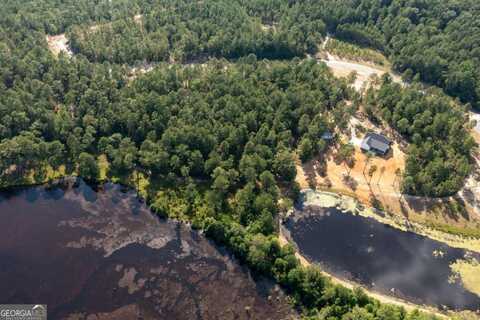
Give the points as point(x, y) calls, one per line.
point(101, 254)
point(390, 261)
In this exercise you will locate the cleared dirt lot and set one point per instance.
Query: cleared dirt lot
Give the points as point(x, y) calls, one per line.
point(59, 43)
point(342, 69)
point(440, 217)
point(365, 71)
point(370, 176)
point(383, 185)
point(360, 180)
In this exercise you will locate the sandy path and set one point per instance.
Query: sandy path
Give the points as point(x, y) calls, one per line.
point(471, 191)
point(356, 141)
point(476, 116)
point(343, 67)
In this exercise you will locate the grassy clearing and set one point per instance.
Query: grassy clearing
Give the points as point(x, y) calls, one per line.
point(352, 52)
point(469, 273)
point(432, 232)
point(467, 232)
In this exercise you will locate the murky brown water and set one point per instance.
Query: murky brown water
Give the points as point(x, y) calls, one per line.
point(103, 255)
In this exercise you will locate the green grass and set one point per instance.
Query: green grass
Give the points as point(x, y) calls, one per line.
point(469, 272)
point(356, 53)
point(39, 176)
point(467, 232)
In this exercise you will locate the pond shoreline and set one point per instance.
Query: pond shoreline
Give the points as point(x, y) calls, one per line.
point(343, 202)
point(102, 234)
point(353, 206)
point(350, 206)
point(285, 238)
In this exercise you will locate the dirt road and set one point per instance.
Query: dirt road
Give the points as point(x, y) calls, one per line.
point(383, 183)
point(342, 68)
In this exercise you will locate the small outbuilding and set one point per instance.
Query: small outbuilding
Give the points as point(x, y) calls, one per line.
point(376, 143)
point(328, 136)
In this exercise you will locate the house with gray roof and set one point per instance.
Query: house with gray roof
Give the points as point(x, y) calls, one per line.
point(376, 143)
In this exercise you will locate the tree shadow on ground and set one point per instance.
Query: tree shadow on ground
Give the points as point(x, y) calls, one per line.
point(310, 175)
point(470, 198)
point(452, 208)
point(403, 209)
point(350, 182)
point(417, 204)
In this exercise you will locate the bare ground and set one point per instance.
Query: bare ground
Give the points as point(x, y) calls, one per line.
point(342, 68)
point(382, 187)
point(370, 177)
point(59, 43)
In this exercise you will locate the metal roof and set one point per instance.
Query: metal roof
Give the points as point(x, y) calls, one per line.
point(378, 137)
point(327, 135)
point(365, 146)
point(375, 142)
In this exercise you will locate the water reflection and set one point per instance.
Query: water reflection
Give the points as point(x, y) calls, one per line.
point(398, 263)
point(100, 253)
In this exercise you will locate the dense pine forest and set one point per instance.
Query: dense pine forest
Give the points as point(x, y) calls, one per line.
point(436, 41)
point(213, 133)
